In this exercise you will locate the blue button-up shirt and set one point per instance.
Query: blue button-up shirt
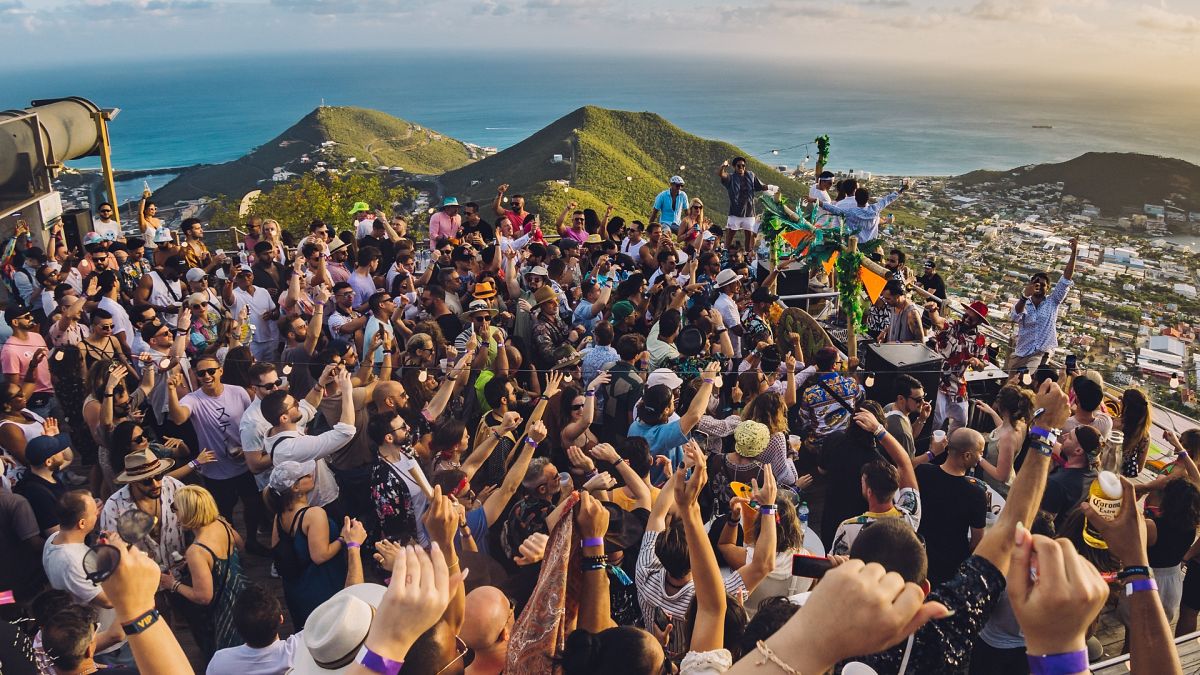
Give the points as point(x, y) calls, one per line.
point(862, 221)
point(1037, 324)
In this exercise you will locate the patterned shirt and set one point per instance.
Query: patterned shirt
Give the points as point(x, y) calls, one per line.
point(958, 343)
point(548, 337)
point(945, 646)
point(170, 535)
point(906, 504)
point(824, 413)
point(1038, 324)
point(755, 329)
point(863, 221)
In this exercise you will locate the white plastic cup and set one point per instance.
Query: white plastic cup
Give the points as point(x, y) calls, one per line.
point(939, 436)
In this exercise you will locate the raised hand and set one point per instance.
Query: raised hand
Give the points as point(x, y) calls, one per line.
point(765, 493)
point(206, 456)
point(510, 421)
point(441, 520)
point(601, 481)
point(688, 491)
point(553, 384)
point(580, 460)
point(601, 379)
point(537, 431)
point(710, 371)
point(1125, 534)
point(386, 551)
point(353, 530)
point(417, 597)
point(533, 549)
point(1056, 406)
point(1055, 610)
point(867, 421)
point(50, 426)
point(591, 518)
point(605, 453)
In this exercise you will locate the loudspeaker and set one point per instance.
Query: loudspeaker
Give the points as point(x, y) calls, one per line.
point(888, 360)
point(76, 224)
point(789, 282)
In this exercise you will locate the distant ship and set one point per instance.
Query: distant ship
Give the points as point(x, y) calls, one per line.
point(1042, 126)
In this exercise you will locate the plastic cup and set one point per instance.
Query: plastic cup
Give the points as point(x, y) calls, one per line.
point(939, 435)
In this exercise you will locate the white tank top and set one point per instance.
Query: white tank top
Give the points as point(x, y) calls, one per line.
point(163, 293)
point(31, 430)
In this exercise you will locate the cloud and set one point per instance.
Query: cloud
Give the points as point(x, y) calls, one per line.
point(887, 4)
point(492, 8)
point(335, 7)
point(1158, 18)
point(11, 6)
point(1046, 12)
point(559, 8)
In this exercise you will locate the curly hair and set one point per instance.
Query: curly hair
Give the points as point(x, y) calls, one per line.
point(1015, 403)
point(769, 409)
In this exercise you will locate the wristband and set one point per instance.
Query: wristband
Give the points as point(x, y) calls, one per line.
point(590, 392)
point(195, 465)
point(930, 455)
point(880, 433)
point(351, 544)
point(593, 541)
point(531, 441)
point(767, 509)
point(376, 663)
point(1050, 436)
point(707, 380)
point(1133, 571)
point(141, 622)
point(1140, 585)
point(1058, 664)
point(1044, 449)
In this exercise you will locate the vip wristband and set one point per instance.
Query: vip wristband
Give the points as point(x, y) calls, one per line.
point(141, 623)
point(1043, 448)
point(1049, 436)
point(376, 663)
point(593, 541)
point(1058, 664)
point(1133, 571)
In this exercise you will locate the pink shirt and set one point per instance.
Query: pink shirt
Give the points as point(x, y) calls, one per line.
point(15, 356)
point(580, 236)
point(443, 225)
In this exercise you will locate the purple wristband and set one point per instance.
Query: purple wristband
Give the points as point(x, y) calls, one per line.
point(1058, 664)
point(1140, 585)
point(376, 663)
point(593, 541)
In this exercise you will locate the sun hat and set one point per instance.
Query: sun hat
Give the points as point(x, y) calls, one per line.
point(285, 474)
point(485, 289)
point(143, 465)
point(449, 201)
point(336, 630)
point(359, 207)
point(726, 277)
point(41, 448)
point(750, 438)
point(568, 357)
point(195, 274)
point(477, 307)
point(980, 309)
point(544, 294)
point(538, 271)
point(92, 238)
point(594, 238)
point(664, 376)
point(337, 245)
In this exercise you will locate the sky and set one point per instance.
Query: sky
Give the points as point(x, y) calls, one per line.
point(1118, 41)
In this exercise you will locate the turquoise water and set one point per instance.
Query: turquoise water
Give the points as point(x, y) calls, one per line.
point(179, 113)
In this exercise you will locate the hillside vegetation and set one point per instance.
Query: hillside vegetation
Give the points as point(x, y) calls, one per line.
point(1110, 180)
point(609, 147)
point(371, 137)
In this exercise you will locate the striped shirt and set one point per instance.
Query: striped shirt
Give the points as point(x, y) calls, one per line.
point(651, 580)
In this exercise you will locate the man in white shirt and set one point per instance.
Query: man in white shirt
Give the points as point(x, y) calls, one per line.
point(257, 616)
point(729, 284)
point(819, 194)
point(633, 242)
point(106, 226)
point(286, 442)
point(263, 379)
point(263, 313)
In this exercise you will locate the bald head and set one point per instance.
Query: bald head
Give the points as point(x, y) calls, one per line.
point(490, 614)
point(965, 447)
point(387, 395)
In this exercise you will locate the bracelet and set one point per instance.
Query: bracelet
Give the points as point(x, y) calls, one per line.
point(376, 663)
point(1044, 449)
point(707, 380)
point(175, 586)
point(1133, 571)
point(531, 441)
point(1140, 585)
point(590, 392)
point(880, 432)
point(1058, 664)
point(595, 563)
point(769, 656)
point(767, 509)
point(593, 541)
point(930, 455)
point(141, 622)
point(351, 544)
point(495, 434)
point(195, 465)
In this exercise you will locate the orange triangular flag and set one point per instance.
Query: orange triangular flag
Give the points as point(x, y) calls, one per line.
point(828, 264)
point(872, 282)
point(794, 237)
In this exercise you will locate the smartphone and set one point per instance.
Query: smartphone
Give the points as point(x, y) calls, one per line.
point(661, 619)
point(1072, 361)
point(810, 566)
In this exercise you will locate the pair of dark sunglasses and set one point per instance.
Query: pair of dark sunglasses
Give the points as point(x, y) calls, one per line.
point(271, 385)
point(207, 371)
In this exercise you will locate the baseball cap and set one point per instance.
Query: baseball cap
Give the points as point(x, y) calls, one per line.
point(41, 448)
point(15, 311)
point(195, 274)
point(285, 474)
point(664, 376)
point(676, 180)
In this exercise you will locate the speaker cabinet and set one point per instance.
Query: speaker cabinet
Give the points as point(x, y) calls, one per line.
point(887, 361)
point(76, 224)
point(789, 282)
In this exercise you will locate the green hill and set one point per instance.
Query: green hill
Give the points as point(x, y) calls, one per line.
point(371, 137)
point(601, 151)
point(1111, 180)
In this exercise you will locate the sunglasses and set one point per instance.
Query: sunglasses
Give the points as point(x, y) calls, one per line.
point(207, 372)
point(481, 319)
point(148, 482)
point(461, 654)
point(139, 438)
point(739, 166)
point(577, 220)
point(270, 385)
point(577, 406)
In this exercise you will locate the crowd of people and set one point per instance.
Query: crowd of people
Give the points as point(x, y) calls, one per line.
point(585, 449)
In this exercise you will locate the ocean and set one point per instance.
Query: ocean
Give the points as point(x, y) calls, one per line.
point(176, 113)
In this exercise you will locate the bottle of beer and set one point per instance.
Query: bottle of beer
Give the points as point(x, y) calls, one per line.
point(1105, 497)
